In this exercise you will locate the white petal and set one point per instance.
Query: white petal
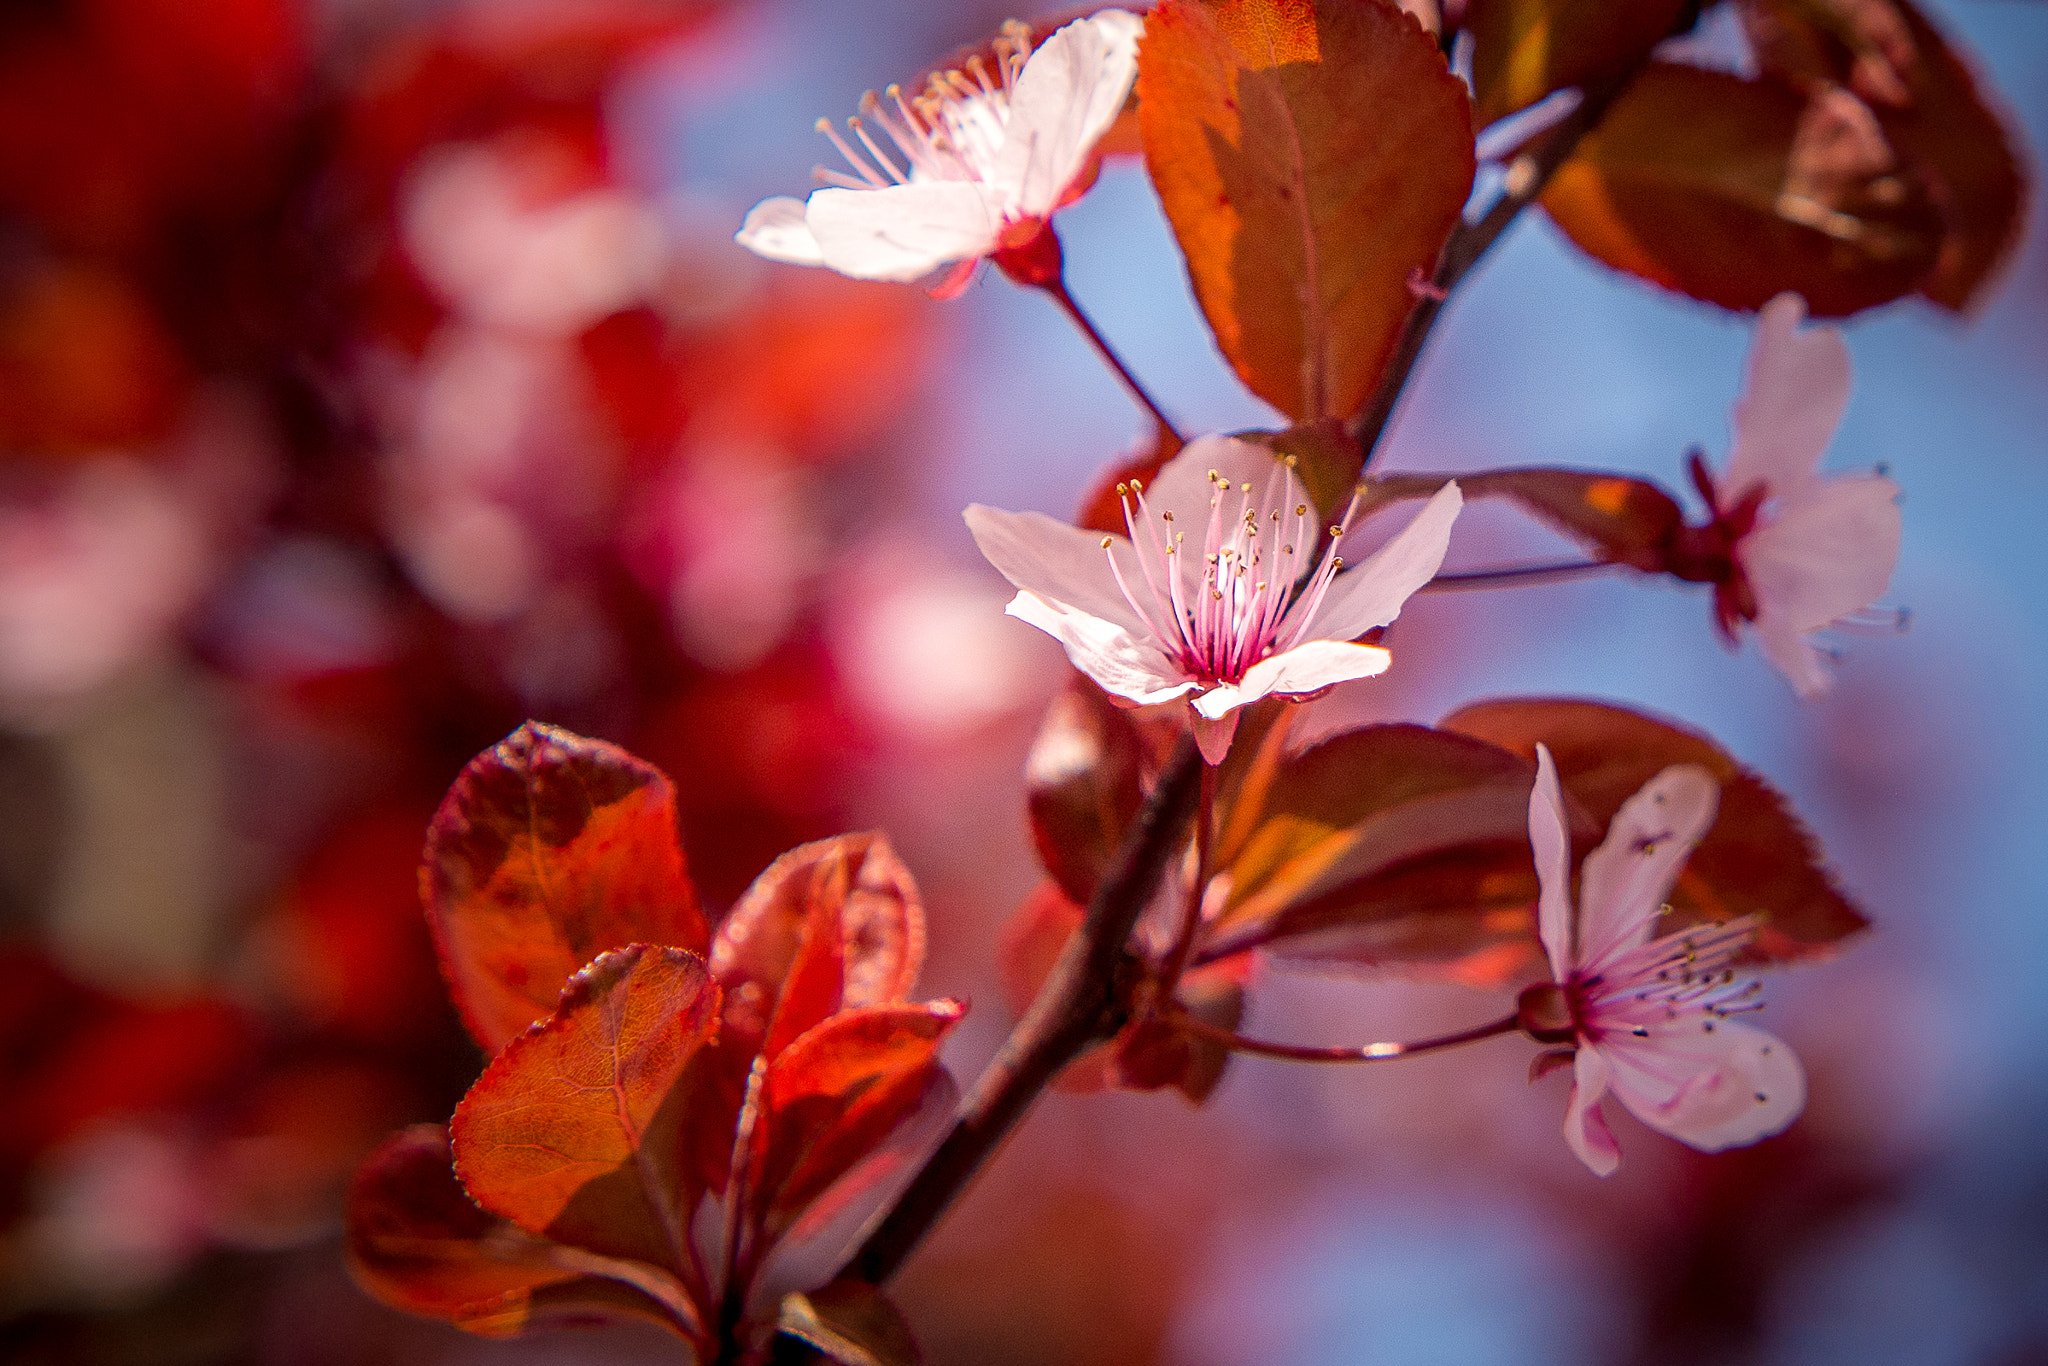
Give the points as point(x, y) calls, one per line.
point(1787, 649)
point(1371, 595)
point(1713, 1088)
point(1059, 562)
point(1213, 735)
point(1827, 553)
point(1183, 487)
point(1792, 398)
point(775, 229)
point(1070, 91)
point(1549, 838)
point(1584, 1128)
point(1623, 883)
point(1131, 668)
point(901, 232)
point(1309, 667)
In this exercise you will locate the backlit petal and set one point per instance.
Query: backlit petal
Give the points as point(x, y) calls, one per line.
point(1125, 665)
point(1061, 563)
point(1070, 91)
point(1183, 486)
point(1372, 594)
point(775, 228)
point(901, 232)
point(1714, 1083)
point(1829, 553)
point(1309, 667)
point(1793, 394)
point(1584, 1128)
point(1548, 836)
point(1623, 883)
point(1790, 653)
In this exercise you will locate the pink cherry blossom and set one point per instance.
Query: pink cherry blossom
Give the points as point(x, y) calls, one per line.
point(1253, 614)
point(1793, 552)
point(1652, 1020)
point(984, 161)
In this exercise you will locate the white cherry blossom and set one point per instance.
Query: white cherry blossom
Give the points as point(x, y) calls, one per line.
point(980, 161)
point(1651, 1020)
point(1241, 612)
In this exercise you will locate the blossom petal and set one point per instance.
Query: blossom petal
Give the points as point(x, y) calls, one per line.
point(1131, 668)
point(1791, 655)
point(1793, 394)
point(775, 228)
point(1309, 667)
point(1060, 563)
point(1713, 1083)
point(1070, 91)
point(1372, 594)
point(1553, 849)
point(1214, 734)
point(901, 232)
point(1584, 1127)
point(1826, 554)
point(1623, 883)
point(1183, 486)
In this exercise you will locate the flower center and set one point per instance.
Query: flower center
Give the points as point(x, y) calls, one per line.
point(952, 131)
point(1218, 617)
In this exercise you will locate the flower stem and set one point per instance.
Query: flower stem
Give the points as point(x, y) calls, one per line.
point(1372, 1052)
point(1057, 288)
point(1191, 916)
point(1516, 575)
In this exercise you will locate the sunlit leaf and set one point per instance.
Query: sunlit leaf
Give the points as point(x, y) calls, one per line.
point(1621, 518)
point(1522, 50)
point(1931, 108)
point(1758, 858)
point(572, 1131)
point(548, 850)
point(852, 1323)
point(1310, 155)
point(417, 1242)
point(1733, 191)
point(1083, 782)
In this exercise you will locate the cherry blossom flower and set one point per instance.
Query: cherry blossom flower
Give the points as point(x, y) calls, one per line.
point(1254, 615)
point(984, 161)
point(1789, 551)
point(1652, 1020)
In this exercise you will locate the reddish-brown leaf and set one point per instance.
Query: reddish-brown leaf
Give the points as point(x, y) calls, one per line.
point(1758, 859)
point(1732, 191)
point(1630, 521)
point(548, 850)
point(832, 925)
point(1083, 780)
point(1931, 109)
point(417, 1242)
point(1523, 50)
point(1311, 155)
point(852, 1323)
point(573, 1131)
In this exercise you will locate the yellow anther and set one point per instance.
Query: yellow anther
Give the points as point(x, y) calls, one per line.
point(1301, 509)
point(1105, 542)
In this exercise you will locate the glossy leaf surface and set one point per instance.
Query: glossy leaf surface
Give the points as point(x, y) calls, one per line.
point(1522, 50)
point(1630, 521)
point(548, 850)
point(1300, 219)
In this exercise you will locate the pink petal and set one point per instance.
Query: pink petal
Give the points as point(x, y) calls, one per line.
point(1828, 553)
point(1793, 395)
point(1183, 488)
point(1133, 669)
point(1623, 883)
point(1214, 734)
point(1584, 1128)
point(901, 232)
point(1060, 563)
point(1372, 594)
point(1712, 1083)
point(1790, 654)
point(1308, 667)
point(775, 228)
point(1553, 848)
point(1070, 91)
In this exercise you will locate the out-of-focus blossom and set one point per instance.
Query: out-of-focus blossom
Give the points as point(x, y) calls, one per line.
point(1650, 1019)
point(1253, 615)
point(1792, 552)
point(986, 162)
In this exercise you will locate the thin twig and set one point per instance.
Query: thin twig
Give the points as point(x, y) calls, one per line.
point(1516, 576)
point(1372, 1052)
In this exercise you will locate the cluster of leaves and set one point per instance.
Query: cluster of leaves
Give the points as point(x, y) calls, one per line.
point(677, 1124)
point(1393, 848)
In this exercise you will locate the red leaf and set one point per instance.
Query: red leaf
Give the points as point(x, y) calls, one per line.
point(852, 1323)
point(418, 1243)
point(1523, 50)
point(1758, 859)
point(572, 1131)
point(1083, 783)
point(548, 850)
point(1629, 521)
point(830, 926)
point(1310, 155)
